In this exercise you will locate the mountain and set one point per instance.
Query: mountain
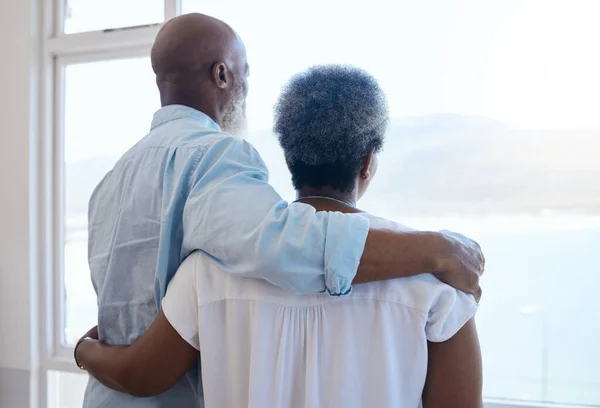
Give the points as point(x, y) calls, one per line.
point(452, 164)
point(445, 164)
point(446, 122)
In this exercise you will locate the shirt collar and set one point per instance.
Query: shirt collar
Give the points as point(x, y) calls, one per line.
point(173, 112)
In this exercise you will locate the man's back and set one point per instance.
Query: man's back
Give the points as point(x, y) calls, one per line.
point(135, 229)
point(188, 186)
point(261, 346)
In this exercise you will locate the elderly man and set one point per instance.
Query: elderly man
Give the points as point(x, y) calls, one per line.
point(189, 186)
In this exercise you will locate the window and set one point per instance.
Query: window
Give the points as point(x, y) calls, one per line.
point(494, 133)
point(98, 98)
point(91, 15)
point(108, 106)
point(65, 389)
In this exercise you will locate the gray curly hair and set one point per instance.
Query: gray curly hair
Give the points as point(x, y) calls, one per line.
point(327, 119)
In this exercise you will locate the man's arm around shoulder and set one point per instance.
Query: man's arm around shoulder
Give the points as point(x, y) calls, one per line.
point(234, 215)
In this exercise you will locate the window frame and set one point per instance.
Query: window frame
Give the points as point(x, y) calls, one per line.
point(60, 350)
point(58, 50)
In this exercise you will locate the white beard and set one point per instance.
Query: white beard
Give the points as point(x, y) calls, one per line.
point(234, 121)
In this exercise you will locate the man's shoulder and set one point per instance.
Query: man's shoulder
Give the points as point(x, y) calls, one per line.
point(180, 144)
point(184, 133)
point(193, 140)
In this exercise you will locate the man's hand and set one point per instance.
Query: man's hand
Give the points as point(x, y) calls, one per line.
point(462, 264)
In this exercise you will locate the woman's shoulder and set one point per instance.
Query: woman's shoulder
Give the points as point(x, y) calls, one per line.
point(383, 223)
point(424, 293)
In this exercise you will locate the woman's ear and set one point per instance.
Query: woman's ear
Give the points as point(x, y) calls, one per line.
point(367, 170)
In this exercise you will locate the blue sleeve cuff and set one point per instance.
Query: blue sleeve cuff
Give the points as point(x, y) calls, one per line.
point(344, 246)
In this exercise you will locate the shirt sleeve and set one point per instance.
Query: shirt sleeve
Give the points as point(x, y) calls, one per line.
point(180, 304)
point(235, 216)
point(448, 313)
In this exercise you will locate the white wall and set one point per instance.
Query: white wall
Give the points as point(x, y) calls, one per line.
point(18, 275)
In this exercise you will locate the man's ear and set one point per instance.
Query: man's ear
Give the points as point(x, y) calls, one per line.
point(220, 75)
point(367, 165)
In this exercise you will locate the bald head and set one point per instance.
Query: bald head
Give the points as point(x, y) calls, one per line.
point(189, 42)
point(199, 61)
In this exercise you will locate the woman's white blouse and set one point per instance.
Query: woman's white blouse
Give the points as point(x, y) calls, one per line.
point(263, 347)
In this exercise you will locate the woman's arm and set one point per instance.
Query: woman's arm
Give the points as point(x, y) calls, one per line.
point(148, 367)
point(454, 374)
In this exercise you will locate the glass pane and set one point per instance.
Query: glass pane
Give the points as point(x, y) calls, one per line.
point(495, 133)
point(108, 108)
point(66, 390)
point(92, 15)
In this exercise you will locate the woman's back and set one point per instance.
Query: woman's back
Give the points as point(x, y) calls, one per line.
point(262, 346)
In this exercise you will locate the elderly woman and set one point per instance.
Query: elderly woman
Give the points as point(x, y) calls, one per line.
point(399, 343)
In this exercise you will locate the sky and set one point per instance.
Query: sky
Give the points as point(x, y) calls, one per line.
point(530, 63)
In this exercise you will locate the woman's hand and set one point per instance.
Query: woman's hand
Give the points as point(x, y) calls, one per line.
point(149, 367)
point(93, 333)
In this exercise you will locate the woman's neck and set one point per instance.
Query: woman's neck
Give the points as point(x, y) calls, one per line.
point(348, 198)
